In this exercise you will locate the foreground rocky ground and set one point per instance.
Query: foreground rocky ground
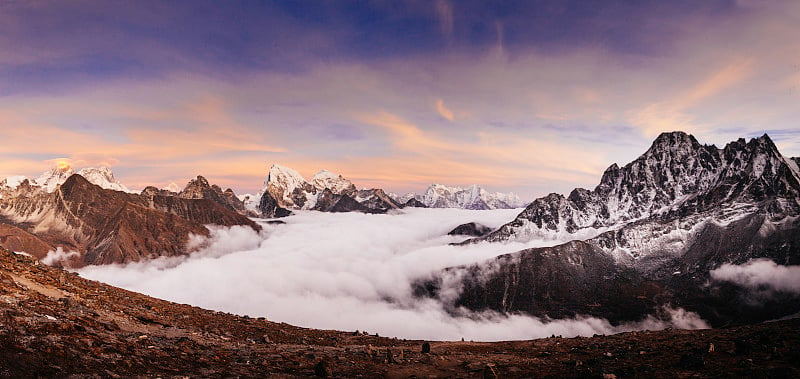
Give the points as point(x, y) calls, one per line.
point(56, 324)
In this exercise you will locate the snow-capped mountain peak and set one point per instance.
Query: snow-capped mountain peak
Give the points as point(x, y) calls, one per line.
point(54, 177)
point(334, 182)
point(13, 181)
point(289, 188)
point(470, 197)
point(103, 177)
point(675, 175)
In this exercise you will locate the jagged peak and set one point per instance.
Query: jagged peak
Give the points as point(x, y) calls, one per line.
point(672, 141)
point(277, 172)
point(76, 181)
point(765, 142)
point(200, 180)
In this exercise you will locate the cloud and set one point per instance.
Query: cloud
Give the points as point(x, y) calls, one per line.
point(60, 257)
point(444, 111)
point(672, 114)
point(348, 271)
point(444, 12)
point(549, 113)
point(760, 274)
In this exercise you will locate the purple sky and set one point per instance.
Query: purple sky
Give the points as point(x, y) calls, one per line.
point(530, 96)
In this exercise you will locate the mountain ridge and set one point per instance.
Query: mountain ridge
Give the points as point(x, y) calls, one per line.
point(671, 216)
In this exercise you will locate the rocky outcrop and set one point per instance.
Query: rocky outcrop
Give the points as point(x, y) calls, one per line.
point(16, 239)
point(268, 207)
point(414, 203)
point(376, 199)
point(470, 229)
point(199, 188)
point(331, 202)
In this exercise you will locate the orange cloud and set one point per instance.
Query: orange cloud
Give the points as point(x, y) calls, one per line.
point(444, 111)
point(673, 113)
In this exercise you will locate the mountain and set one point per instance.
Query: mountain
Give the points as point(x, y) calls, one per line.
point(336, 183)
point(472, 197)
point(103, 177)
point(676, 174)
point(57, 324)
point(666, 219)
point(107, 226)
point(54, 177)
point(285, 189)
point(199, 188)
point(288, 188)
point(49, 180)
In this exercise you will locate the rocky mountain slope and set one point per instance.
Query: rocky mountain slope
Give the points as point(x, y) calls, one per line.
point(667, 219)
point(56, 324)
point(472, 197)
point(106, 226)
point(199, 188)
point(285, 189)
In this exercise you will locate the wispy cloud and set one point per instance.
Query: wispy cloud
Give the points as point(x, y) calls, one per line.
point(444, 111)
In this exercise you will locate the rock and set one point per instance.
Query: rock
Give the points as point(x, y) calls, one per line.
point(470, 229)
point(695, 359)
point(426, 348)
point(743, 346)
point(489, 372)
point(323, 369)
point(414, 203)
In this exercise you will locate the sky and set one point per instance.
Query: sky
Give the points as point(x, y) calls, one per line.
point(530, 96)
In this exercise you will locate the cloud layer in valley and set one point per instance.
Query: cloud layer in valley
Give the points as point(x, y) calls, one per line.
point(761, 275)
point(348, 272)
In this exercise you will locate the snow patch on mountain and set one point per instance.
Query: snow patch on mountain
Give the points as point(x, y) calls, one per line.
point(54, 177)
point(289, 188)
point(103, 177)
point(334, 182)
point(674, 176)
point(471, 197)
point(13, 182)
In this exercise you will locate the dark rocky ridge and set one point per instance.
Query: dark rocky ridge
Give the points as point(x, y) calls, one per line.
point(676, 174)
point(675, 213)
point(199, 188)
point(470, 229)
point(414, 203)
point(55, 324)
point(328, 201)
point(269, 208)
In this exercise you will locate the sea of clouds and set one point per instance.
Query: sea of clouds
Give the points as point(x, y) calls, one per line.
point(760, 275)
point(350, 271)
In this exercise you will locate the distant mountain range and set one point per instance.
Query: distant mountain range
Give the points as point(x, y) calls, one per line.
point(648, 235)
point(93, 213)
point(472, 197)
point(285, 190)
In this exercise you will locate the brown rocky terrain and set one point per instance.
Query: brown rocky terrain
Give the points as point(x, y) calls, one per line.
point(54, 323)
point(199, 188)
point(107, 226)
